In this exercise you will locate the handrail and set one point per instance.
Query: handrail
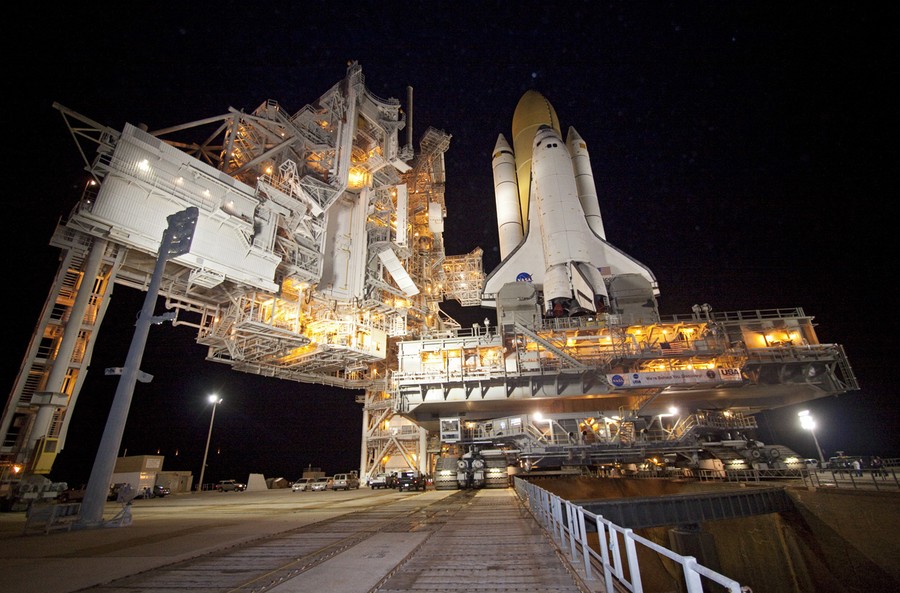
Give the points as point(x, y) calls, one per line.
point(567, 524)
point(886, 478)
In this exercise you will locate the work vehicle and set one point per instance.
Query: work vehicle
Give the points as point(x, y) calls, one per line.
point(379, 481)
point(121, 492)
point(846, 461)
point(159, 491)
point(345, 482)
point(230, 486)
point(410, 480)
point(302, 485)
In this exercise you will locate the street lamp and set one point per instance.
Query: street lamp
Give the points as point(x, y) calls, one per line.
point(215, 400)
point(807, 422)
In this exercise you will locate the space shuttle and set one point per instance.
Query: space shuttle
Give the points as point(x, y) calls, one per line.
point(549, 223)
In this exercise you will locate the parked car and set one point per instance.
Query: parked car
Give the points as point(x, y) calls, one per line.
point(159, 491)
point(230, 486)
point(71, 494)
point(410, 480)
point(345, 482)
point(320, 484)
point(302, 485)
point(378, 481)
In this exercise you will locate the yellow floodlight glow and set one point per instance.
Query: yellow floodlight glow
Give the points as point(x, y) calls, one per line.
point(357, 177)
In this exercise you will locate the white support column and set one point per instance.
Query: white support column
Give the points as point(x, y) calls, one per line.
point(60, 369)
point(423, 450)
point(364, 449)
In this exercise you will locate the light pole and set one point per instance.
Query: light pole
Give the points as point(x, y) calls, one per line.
point(215, 400)
point(807, 422)
point(176, 240)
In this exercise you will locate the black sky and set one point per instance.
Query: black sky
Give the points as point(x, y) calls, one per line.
point(742, 150)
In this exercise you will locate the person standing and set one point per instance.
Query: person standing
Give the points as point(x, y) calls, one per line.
point(857, 468)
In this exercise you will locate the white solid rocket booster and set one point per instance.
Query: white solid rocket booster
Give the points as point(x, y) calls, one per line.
point(506, 193)
point(584, 181)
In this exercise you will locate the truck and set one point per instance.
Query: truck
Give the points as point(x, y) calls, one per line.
point(379, 480)
point(409, 480)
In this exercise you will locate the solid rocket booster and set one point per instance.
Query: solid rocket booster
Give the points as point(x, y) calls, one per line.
point(584, 181)
point(554, 236)
point(506, 193)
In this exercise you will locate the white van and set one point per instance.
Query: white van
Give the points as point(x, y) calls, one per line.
point(345, 481)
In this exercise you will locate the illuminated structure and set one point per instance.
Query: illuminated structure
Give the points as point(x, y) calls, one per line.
point(318, 257)
point(579, 338)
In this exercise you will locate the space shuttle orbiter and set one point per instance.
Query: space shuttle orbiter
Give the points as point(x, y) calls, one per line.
point(548, 218)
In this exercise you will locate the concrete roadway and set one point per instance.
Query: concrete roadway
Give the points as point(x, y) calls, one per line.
point(163, 531)
point(183, 526)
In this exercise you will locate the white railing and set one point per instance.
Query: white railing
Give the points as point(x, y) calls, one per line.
point(618, 546)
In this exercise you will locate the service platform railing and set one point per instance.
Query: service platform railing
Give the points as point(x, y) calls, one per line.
point(604, 569)
point(886, 478)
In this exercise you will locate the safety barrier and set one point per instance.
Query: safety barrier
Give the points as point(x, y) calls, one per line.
point(567, 523)
point(51, 517)
point(887, 478)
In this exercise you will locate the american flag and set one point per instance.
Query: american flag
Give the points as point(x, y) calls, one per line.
point(676, 346)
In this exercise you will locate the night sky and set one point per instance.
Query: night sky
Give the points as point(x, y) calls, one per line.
point(742, 151)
